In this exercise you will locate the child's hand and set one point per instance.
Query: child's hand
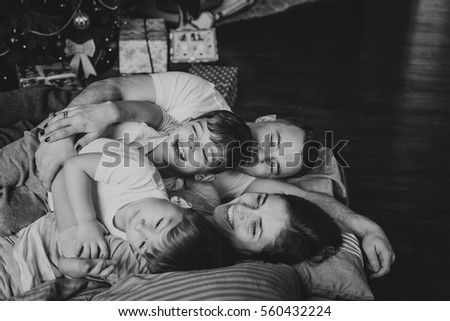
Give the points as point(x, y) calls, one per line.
point(91, 243)
point(81, 268)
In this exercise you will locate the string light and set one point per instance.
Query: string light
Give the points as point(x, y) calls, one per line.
point(50, 34)
point(108, 6)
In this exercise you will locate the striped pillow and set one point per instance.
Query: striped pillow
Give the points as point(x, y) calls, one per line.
point(339, 277)
point(244, 281)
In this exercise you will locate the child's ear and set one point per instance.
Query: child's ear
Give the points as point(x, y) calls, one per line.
point(205, 178)
point(265, 118)
point(181, 202)
point(187, 120)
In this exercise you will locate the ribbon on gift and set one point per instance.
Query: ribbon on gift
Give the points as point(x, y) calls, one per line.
point(48, 79)
point(81, 54)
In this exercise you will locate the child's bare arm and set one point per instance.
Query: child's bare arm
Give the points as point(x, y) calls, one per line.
point(93, 268)
point(78, 172)
point(65, 218)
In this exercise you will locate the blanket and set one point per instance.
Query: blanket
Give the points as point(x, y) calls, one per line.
point(31, 104)
point(29, 258)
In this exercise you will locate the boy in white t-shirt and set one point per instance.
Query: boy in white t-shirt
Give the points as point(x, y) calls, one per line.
point(209, 143)
point(130, 200)
point(195, 146)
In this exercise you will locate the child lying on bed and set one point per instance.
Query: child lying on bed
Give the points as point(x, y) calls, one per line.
point(34, 255)
point(23, 198)
point(131, 200)
point(132, 203)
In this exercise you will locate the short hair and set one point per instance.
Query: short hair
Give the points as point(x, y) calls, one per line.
point(228, 133)
point(311, 234)
point(311, 144)
point(194, 243)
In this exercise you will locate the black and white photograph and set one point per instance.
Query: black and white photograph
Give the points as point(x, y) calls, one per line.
point(225, 150)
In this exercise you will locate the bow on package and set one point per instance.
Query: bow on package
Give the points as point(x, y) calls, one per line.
point(81, 54)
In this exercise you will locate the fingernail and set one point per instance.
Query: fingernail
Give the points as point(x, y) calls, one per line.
point(47, 139)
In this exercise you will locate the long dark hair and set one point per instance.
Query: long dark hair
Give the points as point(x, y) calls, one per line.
point(311, 234)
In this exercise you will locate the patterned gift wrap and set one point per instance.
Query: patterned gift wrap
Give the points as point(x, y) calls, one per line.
point(59, 75)
point(199, 45)
point(224, 79)
point(143, 46)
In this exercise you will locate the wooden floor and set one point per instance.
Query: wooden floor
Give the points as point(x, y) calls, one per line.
point(378, 74)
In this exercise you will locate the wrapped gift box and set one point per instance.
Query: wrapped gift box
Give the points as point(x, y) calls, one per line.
point(143, 46)
point(224, 79)
point(59, 75)
point(199, 45)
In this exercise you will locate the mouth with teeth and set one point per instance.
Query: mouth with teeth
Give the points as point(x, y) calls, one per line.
point(179, 150)
point(229, 216)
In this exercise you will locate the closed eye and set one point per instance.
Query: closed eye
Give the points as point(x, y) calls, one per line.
point(158, 223)
point(253, 228)
point(262, 199)
point(142, 244)
point(204, 155)
point(256, 228)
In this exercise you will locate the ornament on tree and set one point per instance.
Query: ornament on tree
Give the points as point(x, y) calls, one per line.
point(81, 20)
point(81, 54)
point(35, 31)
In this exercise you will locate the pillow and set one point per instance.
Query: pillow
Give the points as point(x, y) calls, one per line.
point(245, 281)
point(342, 275)
point(338, 277)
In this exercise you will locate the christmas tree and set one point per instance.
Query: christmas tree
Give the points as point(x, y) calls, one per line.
point(37, 32)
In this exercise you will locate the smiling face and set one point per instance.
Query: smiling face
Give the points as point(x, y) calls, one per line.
point(148, 222)
point(253, 220)
point(279, 150)
point(189, 149)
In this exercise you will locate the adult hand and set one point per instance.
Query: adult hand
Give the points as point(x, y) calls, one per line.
point(379, 252)
point(92, 120)
point(50, 157)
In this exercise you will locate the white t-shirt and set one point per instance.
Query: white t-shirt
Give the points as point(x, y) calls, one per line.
point(123, 175)
point(183, 95)
point(147, 138)
point(142, 136)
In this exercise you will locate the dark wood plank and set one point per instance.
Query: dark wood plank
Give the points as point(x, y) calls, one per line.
point(378, 74)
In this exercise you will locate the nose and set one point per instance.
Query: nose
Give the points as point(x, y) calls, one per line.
point(243, 212)
point(141, 226)
point(264, 153)
point(194, 141)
